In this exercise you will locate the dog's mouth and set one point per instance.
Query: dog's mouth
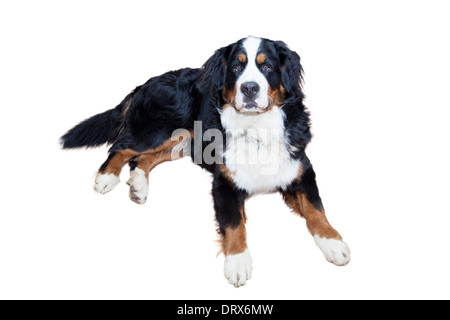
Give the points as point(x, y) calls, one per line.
point(254, 105)
point(251, 107)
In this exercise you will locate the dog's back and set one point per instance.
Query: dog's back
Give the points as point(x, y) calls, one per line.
point(145, 118)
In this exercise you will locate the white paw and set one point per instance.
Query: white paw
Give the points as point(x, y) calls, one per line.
point(138, 186)
point(335, 251)
point(238, 268)
point(105, 182)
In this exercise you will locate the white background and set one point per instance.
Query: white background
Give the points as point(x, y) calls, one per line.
point(377, 79)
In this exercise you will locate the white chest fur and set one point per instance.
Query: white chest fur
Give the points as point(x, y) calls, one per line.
point(256, 152)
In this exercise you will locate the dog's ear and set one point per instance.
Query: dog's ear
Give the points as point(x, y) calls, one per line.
point(291, 69)
point(214, 71)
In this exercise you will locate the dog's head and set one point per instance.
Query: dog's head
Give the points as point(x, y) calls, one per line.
point(253, 75)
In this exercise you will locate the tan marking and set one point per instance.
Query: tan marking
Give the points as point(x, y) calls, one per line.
point(155, 156)
point(117, 162)
point(316, 221)
point(147, 162)
point(229, 96)
point(242, 58)
point(235, 239)
point(300, 173)
point(229, 175)
point(276, 97)
point(261, 58)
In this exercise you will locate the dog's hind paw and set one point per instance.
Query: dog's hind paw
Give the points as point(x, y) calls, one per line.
point(105, 182)
point(138, 186)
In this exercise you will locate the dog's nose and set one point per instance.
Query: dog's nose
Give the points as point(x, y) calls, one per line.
point(250, 89)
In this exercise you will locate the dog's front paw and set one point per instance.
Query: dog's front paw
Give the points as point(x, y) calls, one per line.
point(238, 268)
point(335, 251)
point(138, 186)
point(105, 182)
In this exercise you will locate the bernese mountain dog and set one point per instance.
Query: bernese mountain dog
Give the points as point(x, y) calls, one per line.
point(242, 118)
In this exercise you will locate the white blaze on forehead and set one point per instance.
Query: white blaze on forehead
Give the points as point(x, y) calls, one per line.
point(251, 46)
point(252, 74)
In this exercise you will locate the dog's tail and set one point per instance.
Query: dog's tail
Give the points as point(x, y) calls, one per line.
point(97, 130)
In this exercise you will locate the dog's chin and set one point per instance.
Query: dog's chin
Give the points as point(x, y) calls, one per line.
point(251, 108)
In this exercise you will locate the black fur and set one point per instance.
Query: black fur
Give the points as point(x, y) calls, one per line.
point(307, 185)
point(157, 108)
point(228, 203)
point(97, 130)
point(213, 73)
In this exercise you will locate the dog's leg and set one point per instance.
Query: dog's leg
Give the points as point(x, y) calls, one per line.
point(303, 198)
point(139, 173)
point(108, 174)
point(141, 166)
point(230, 215)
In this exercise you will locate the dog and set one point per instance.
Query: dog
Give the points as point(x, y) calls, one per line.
point(241, 116)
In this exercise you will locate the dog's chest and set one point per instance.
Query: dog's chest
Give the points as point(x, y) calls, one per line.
point(256, 153)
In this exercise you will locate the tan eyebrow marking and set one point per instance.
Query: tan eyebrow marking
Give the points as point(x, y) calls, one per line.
point(261, 58)
point(242, 58)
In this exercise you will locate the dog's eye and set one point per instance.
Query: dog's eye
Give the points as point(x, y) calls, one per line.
point(266, 68)
point(237, 68)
